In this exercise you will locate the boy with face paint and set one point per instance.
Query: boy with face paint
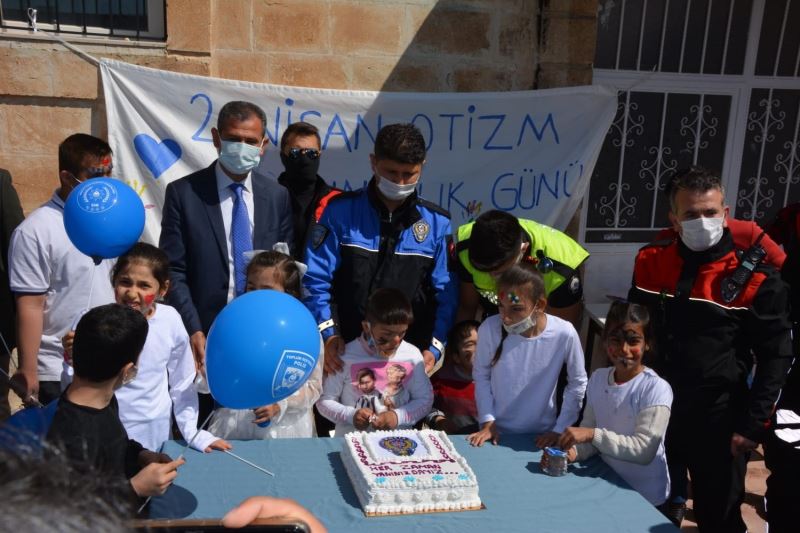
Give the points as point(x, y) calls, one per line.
point(379, 351)
point(707, 345)
point(301, 154)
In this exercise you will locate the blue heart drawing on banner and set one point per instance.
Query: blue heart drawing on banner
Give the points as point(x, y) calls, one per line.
point(158, 156)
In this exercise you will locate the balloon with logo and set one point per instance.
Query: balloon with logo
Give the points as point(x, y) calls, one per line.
point(103, 217)
point(261, 348)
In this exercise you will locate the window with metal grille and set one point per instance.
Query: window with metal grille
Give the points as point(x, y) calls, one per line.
point(709, 82)
point(137, 19)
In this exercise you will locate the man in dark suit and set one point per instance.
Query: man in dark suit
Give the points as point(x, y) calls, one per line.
point(213, 216)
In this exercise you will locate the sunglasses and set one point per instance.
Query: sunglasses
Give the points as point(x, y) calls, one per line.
point(294, 153)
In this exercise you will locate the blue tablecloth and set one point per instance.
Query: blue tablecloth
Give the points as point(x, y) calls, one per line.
point(517, 494)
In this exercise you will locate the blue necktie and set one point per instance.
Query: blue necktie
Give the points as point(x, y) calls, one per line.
point(241, 240)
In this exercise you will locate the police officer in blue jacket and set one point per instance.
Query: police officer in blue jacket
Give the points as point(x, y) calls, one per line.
point(383, 235)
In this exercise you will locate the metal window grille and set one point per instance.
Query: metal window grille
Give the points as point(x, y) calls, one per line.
point(137, 19)
point(710, 82)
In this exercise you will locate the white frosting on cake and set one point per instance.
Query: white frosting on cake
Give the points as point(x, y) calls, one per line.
point(408, 471)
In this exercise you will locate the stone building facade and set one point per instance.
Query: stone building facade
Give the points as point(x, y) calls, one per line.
point(48, 92)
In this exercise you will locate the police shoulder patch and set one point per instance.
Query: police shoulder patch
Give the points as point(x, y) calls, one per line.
point(318, 234)
point(574, 284)
point(421, 229)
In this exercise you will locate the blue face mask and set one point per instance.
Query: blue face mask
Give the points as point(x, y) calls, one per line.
point(239, 158)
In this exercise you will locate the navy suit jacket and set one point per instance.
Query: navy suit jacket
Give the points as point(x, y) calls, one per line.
point(193, 237)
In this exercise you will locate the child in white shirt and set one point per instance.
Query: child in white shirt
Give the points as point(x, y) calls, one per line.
point(165, 373)
point(520, 355)
point(291, 417)
point(398, 367)
point(627, 408)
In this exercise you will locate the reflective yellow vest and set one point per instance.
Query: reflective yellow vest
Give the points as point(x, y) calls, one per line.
point(553, 244)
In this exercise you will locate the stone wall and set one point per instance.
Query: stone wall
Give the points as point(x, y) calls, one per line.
point(48, 92)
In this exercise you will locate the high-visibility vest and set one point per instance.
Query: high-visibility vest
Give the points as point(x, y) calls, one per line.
point(563, 251)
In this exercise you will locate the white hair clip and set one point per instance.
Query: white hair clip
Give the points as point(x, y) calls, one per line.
point(283, 248)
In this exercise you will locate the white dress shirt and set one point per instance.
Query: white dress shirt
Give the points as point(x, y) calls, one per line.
point(226, 199)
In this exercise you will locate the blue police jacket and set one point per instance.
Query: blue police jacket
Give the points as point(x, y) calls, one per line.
point(359, 246)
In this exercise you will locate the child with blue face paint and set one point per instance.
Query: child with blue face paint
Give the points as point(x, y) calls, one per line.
point(521, 352)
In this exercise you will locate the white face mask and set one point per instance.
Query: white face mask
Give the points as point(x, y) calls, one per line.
point(518, 328)
point(393, 191)
point(239, 158)
point(700, 234)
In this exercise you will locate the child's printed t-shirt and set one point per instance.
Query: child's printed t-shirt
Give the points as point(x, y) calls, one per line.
point(367, 381)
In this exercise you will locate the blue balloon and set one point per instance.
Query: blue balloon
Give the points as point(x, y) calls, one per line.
point(261, 348)
point(103, 217)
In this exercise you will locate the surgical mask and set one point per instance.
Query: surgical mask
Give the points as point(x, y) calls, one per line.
point(393, 191)
point(518, 328)
point(239, 158)
point(700, 234)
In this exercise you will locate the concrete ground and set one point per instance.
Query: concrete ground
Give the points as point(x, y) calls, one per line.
point(753, 506)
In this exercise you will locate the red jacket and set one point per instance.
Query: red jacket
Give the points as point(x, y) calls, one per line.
point(705, 346)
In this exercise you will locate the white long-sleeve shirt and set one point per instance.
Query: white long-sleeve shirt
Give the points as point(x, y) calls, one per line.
point(340, 391)
point(164, 383)
point(519, 391)
point(295, 418)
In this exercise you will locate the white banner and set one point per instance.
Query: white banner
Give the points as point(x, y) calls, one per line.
point(527, 152)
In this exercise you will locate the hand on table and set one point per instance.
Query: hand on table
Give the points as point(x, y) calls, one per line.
point(547, 439)
point(573, 436)
point(266, 413)
point(488, 432)
point(267, 507)
point(385, 420)
point(362, 418)
point(155, 478)
point(334, 348)
point(741, 444)
point(219, 444)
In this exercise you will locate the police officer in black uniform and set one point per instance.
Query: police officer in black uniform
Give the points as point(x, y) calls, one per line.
point(718, 310)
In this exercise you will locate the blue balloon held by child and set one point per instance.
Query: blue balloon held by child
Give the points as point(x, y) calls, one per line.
point(261, 348)
point(103, 218)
